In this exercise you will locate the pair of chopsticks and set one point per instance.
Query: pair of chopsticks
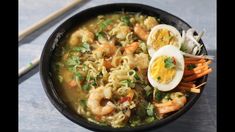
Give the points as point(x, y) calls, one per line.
point(38, 25)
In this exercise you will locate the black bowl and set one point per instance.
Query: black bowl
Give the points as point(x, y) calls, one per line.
point(54, 40)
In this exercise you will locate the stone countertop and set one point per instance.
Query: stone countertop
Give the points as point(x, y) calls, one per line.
point(37, 114)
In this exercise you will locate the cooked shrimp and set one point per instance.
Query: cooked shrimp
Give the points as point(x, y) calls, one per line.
point(130, 49)
point(107, 49)
point(177, 102)
point(95, 98)
point(140, 32)
point(150, 22)
point(81, 35)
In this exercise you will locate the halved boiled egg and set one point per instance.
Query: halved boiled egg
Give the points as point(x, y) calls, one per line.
point(162, 35)
point(166, 68)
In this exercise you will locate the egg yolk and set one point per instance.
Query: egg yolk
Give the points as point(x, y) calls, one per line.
point(163, 37)
point(161, 72)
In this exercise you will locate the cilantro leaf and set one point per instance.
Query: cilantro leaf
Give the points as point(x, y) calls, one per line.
point(86, 87)
point(84, 48)
point(104, 24)
point(191, 66)
point(80, 77)
point(169, 62)
point(160, 95)
point(99, 35)
point(72, 61)
point(126, 20)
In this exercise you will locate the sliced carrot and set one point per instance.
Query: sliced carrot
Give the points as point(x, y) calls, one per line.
point(190, 72)
point(208, 62)
point(195, 61)
point(200, 67)
point(190, 58)
point(195, 76)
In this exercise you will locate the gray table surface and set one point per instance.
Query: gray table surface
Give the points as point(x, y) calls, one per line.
point(37, 114)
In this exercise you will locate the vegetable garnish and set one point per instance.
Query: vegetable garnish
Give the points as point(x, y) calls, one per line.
point(169, 62)
point(150, 109)
point(84, 48)
point(104, 24)
point(126, 20)
point(73, 60)
point(191, 66)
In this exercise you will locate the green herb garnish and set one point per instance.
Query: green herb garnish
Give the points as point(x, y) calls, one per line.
point(135, 75)
point(191, 66)
point(158, 78)
point(104, 24)
point(149, 119)
point(169, 62)
point(160, 95)
point(79, 76)
point(128, 83)
point(86, 87)
point(84, 48)
point(150, 110)
point(126, 20)
point(73, 60)
point(135, 121)
point(99, 35)
point(83, 102)
point(148, 90)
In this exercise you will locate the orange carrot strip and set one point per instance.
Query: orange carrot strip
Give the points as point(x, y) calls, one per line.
point(190, 58)
point(193, 77)
point(194, 61)
point(200, 67)
point(191, 72)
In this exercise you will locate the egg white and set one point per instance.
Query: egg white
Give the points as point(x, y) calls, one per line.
point(155, 29)
point(170, 51)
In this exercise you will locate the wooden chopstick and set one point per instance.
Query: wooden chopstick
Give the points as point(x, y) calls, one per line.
point(47, 19)
point(29, 66)
point(36, 26)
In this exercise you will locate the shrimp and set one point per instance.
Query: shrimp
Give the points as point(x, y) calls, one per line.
point(140, 32)
point(81, 35)
point(177, 102)
point(131, 48)
point(150, 22)
point(95, 98)
point(107, 49)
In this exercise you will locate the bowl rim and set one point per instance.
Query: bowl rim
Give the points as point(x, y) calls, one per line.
point(45, 77)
